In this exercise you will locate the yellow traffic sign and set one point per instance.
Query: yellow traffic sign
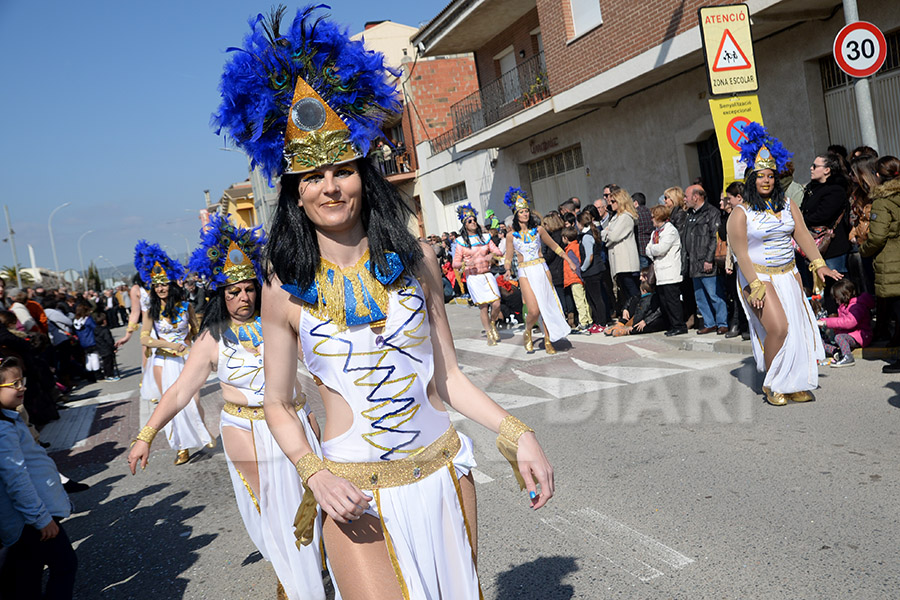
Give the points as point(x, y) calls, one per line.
point(729, 116)
point(728, 49)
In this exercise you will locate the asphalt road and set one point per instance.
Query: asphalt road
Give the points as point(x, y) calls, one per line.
point(674, 480)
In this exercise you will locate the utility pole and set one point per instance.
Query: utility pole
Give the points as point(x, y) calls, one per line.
point(12, 243)
point(864, 111)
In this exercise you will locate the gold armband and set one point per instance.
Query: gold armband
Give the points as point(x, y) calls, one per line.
point(132, 327)
point(146, 435)
point(145, 334)
point(818, 280)
point(757, 290)
point(308, 465)
point(511, 429)
point(559, 251)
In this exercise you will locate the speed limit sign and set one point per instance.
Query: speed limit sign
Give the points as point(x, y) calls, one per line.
point(860, 49)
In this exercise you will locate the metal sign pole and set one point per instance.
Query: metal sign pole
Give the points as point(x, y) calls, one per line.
point(864, 111)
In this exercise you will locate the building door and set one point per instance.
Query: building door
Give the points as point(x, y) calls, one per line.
point(711, 168)
point(556, 178)
point(511, 88)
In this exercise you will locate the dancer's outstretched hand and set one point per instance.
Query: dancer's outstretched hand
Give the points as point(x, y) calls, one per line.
point(829, 272)
point(140, 452)
point(340, 499)
point(534, 467)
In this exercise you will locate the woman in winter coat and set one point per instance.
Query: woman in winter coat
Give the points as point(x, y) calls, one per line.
point(883, 242)
point(624, 261)
point(664, 249)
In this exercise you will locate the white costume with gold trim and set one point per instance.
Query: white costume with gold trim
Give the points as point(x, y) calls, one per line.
point(186, 430)
point(269, 518)
point(384, 379)
point(794, 368)
point(534, 269)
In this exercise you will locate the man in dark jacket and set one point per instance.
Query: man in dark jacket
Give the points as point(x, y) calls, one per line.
point(699, 239)
point(643, 227)
point(827, 205)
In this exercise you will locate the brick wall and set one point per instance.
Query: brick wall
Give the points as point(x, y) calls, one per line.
point(436, 85)
point(629, 28)
point(518, 35)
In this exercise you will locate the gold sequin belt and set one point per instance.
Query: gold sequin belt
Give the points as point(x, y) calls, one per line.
point(403, 471)
point(534, 261)
point(256, 413)
point(166, 353)
point(774, 270)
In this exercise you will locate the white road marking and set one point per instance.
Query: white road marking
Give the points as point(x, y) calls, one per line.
point(104, 399)
point(507, 349)
point(629, 373)
point(481, 477)
point(563, 387)
point(700, 363)
point(637, 554)
point(642, 352)
point(469, 369)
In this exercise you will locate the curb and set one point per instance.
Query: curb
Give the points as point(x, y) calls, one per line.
point(723, 346)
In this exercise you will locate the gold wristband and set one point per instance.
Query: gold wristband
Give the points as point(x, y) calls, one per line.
point(817, 264)
point(757, 290)
point(146, 435)
point(511, 429)
point(145, 334)
point(308, 465)
point(132, 327)
point(559, 251)
point(818, 280)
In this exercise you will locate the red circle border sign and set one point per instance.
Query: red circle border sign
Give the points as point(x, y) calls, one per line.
point(839, 42)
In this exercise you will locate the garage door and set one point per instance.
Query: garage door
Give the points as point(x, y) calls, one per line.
point(558, 177)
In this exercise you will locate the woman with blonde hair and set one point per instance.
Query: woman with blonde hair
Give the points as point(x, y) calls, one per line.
point(624, 261)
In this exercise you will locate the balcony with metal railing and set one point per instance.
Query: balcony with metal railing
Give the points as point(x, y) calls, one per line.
point(514, 91)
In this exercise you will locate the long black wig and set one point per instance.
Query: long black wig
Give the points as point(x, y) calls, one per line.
point(533, 220)
point(216, 318)
point(175, 298)
point(463, 236)
point(757, 202)
point(293, 249)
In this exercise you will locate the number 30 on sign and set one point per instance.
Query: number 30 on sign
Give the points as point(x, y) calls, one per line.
point(860, 49)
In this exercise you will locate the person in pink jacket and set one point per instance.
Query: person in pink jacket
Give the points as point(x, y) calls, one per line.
point(473, 253)
point(853, 325)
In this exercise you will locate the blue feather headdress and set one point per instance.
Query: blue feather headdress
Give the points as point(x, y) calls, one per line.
point(466, 211)
point(155, 266)
point(763, 151)
point(516, 199)
point(306, 98)
point(228, 253)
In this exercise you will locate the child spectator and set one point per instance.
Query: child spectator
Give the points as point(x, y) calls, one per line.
point(106, 348)
point(572, 279)
point(510, 300)
point(32, 501)
point(853, 326)
point(84, 329)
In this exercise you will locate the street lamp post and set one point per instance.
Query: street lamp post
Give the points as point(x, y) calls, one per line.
point(81, 260)
point(52, 243)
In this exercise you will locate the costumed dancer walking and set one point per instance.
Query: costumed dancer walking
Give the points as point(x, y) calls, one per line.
point(169, 325)
point(351, 284)
point(786, 341)
point(265, 482)
point(473, 253)
point(534, 276)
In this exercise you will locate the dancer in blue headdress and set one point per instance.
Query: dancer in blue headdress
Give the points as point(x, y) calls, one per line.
point(230, 342)
point(168, 328)
point(351, 284)
point(786, 341)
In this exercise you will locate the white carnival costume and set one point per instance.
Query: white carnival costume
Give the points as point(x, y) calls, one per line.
point(187, 429)
point(534, 269)
point(400, 449)
point(794, 368)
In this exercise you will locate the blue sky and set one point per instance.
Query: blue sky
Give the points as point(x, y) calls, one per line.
point(106, 105)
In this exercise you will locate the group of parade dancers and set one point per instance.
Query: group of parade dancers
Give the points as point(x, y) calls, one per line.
point(383, 494)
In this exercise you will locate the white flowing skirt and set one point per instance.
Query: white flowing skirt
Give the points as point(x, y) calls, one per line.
point(186, 430)
point(482, 288)
point(538, 275)
point(271, 525)
point(795, 367)
point(426, 532)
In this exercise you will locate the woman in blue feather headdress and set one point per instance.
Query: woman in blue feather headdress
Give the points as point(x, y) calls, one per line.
point(763, 233)
point(168, 328)
point(352, 285)
point(230, 342)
